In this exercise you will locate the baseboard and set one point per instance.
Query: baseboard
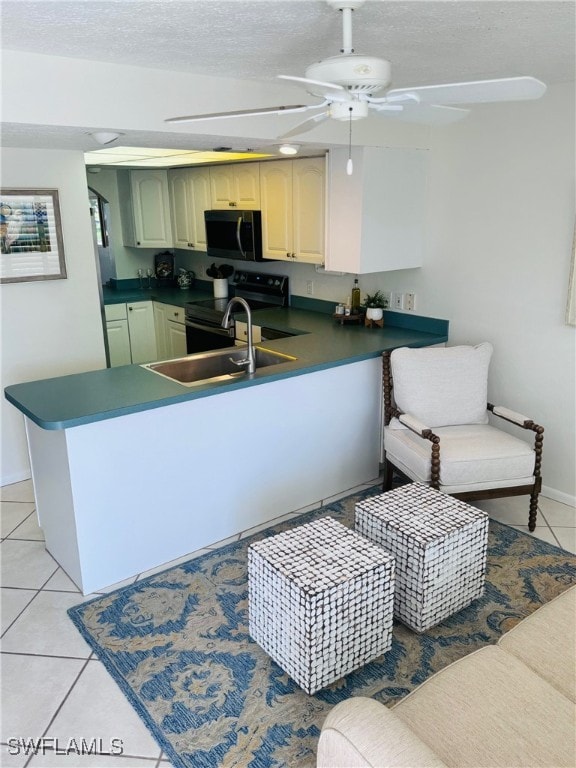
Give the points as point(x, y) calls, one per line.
point(17, 477)
point(563, 498)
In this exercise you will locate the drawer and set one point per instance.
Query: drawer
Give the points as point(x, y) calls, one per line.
point(175, 313)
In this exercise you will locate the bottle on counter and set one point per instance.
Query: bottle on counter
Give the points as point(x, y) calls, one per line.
point(355, 298)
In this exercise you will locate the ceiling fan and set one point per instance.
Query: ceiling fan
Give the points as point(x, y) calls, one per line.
point(347, 84)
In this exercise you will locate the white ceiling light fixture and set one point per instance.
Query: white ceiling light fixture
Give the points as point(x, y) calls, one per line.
point(105, 137)
point(289, 149)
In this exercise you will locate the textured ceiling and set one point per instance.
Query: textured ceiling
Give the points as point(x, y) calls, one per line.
point(427, 41)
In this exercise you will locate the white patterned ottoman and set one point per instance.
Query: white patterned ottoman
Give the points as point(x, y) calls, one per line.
point(440, 548)
point(321, 600)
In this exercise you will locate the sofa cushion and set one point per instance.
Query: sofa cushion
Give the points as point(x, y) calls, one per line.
point(489, 709)
point(361, 733)
point(546, 642)
point(468, 454)
point(442, 385)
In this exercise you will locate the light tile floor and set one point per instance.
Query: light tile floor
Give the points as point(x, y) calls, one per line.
point(54, 687)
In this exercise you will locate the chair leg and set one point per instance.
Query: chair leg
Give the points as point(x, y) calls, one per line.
point(533, 510)
point(388, 476)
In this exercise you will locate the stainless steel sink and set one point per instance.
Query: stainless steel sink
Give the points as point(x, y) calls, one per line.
point(219, 365)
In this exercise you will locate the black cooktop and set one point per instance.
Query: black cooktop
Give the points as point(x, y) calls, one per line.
point(260, 290)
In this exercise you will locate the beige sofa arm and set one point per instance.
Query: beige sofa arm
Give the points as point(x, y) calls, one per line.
point(361, 733)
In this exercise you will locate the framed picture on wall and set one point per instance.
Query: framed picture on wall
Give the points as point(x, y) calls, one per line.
point(31, 246)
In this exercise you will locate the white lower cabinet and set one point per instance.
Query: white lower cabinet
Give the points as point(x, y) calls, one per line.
point(176, 335)
point(170, 330)
point(130, 332)
point(142, 332)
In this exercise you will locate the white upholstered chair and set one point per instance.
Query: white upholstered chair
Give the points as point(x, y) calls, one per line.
point(437, 428)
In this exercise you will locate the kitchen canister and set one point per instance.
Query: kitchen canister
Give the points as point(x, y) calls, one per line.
point(220, 288)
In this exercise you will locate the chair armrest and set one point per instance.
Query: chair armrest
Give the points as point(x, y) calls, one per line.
point(361, 732)
point(414, 425)
point(514, 417)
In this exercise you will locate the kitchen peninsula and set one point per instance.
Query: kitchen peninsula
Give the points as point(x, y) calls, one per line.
point(132, 470)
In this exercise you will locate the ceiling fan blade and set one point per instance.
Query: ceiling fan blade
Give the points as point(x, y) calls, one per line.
point(335, 86)
point(306, 125)
point(387, 107)
point(425, 114)
point(243, 113)
point(477, 92)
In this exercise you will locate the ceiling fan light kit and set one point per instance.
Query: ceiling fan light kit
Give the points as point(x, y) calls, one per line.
point(289, 149)
point(347, 84)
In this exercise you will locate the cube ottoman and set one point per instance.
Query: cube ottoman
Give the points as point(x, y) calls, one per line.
point(320, 601)
point(439, 544)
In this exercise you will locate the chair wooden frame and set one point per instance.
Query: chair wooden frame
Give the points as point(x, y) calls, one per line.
point(533, 489)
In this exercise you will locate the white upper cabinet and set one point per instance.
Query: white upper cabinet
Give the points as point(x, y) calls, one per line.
point(201, 201)
point(376, 215)
point(145, 208)
point(235, 186)
point(276, 193)
point(293, 209)
point(189, 198)
point(309, 207)
point(181, 209)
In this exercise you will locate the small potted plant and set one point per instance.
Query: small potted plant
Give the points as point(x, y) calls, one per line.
point(375, 304)
point(220, 274)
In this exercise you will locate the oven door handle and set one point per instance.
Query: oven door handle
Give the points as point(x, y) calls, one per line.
point(238, 238)
point(217, 329)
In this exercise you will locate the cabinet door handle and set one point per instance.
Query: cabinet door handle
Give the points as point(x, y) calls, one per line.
point(130, 309)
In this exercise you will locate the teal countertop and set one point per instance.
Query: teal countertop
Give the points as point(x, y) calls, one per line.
point(320, 343)
point(174, 296)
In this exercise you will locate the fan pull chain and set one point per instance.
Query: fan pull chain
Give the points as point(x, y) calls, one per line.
point(349, 164)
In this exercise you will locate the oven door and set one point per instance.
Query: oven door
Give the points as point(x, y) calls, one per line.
point(202, 336)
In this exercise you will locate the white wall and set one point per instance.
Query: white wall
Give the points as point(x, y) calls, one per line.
point(52, 327)
point(500, 228)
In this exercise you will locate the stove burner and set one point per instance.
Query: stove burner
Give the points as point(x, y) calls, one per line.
point(260, 290)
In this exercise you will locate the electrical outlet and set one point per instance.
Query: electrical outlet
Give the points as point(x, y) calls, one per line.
point(388, 297)
point(410, 301)
point(310, 287)
point(397, 301)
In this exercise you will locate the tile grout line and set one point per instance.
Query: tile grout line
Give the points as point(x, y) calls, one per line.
point(38, 590)
point(541, 512)
point(18, 526)
point(59, 707)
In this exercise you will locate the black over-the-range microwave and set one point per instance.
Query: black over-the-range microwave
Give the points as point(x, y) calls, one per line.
point(234, 234)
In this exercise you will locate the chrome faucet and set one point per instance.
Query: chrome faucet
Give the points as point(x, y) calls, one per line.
point(250, 360)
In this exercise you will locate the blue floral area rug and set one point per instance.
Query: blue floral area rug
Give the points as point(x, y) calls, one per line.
point(177, 644)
